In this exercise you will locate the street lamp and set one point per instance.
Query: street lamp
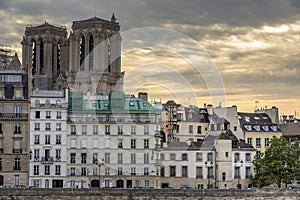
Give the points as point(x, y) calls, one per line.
point(99, 165)
point(208, 165)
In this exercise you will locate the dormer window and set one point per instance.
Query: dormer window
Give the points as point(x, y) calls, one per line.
point(274, 128)
point(191, 114)
point(266, 128)
point(248, 127)
point(247, 119)
point(256, 118)
point(256, 127)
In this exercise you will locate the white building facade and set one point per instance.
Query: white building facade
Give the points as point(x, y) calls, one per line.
point(48, 139)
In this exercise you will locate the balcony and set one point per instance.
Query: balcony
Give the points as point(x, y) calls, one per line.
point(47, 160)
point(9, 116)
point(17, 150)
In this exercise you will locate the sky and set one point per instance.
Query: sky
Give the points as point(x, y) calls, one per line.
point(227, 52)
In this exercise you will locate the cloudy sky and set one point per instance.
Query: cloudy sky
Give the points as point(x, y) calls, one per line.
point(194, 48)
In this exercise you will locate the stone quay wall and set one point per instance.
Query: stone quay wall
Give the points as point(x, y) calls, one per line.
point(144, 194)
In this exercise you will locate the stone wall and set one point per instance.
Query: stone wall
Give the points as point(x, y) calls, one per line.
point(139, 194)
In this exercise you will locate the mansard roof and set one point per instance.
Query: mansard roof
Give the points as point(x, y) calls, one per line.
point(199, 114)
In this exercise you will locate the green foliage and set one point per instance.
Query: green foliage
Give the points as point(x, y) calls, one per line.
point(279, 164)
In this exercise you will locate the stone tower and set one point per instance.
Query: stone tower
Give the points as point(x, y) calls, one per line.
point(95, 56)
point(44, 50)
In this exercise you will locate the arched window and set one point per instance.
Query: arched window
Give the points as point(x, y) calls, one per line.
point(82, 52)
point(58, 58)
point(41, 57)
point(91, 53)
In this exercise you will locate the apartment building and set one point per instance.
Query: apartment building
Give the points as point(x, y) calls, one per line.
point(112, 141)
point(48, 139)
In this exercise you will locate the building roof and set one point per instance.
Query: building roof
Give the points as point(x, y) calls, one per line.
point(290, 129)
point(218, 120)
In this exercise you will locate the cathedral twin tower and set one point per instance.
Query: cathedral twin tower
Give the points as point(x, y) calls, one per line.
point(88, 60)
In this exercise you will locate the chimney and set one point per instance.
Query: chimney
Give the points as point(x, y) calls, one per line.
point(143, 95)
point(204, 106)
point(209, 109)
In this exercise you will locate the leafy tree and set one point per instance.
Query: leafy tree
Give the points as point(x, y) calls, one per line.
point(279, 164)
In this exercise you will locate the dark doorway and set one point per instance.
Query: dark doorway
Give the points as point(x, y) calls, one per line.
point(1, 180)
point(239, 186)
point(57, 183)
point(129, 183)
point(120, 184)
point(95, 183)
point(164, 185)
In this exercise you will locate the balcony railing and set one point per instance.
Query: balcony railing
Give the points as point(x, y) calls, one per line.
point(17, 150)
point(47, 160)
point(13, 115)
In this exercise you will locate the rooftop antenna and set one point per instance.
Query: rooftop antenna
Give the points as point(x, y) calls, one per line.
point(256, 104)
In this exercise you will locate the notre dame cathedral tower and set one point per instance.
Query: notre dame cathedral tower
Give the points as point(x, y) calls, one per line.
point(89, 59)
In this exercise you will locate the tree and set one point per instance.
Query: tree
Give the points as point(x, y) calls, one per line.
point(279, 164)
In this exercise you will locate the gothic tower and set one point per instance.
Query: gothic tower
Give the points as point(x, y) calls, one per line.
point(95, 56)
point(44, 50)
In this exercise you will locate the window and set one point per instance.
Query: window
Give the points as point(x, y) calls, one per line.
point(47, 170)
point(199, 172)
point(58, 126)
point(235, 128)
point(133, 171)
point(190, 128)
point(120, 171)
point(47, 139)
point(107, 143)
point(95, 158)
point(249, 141)
point(133, 130)
point(248, 172)
point(120, 130)
point(73, 143)
point(199, 130)
point(120, 158)
point(147, 183)
point(146, 158)
point(58, 154)
point(146, 171)
point(48, 127)
point(1, 130)
point(256, 127)
point(36, 170)
point(36, 126)
point(83, 129)
point(73, 130)
point(223, 176)
point(95, 130)
point(210, 172)
point(226, 154)
point(172, 156)
point(210, 157)
point(17, 165)
point(83, 171)
point(267, 142)
point(107, 171)
point(162, 156)
point(198, 156)
point(17, 111)
point(36, 154)
point(258, 143)
point(248, 157)
point(58, 115)
point(162, 171)
point(120, 143)
point(37, 114)
point(83, 158)
point(58, 139)
point(133, 143)
point(107, 129)
point(172, 171)
point(237, 172)
point(146, 144)
point(95, 143)
point(83, 143)
point(184, 156)
point(48, 114)
point(133, 158)
point(36, 139)
point(146, 130)
point(57, 169)
point(73, 158)
point(17, 128)
point(72, 173)
point(236, 157)
point(184, 171)
point(107, 158)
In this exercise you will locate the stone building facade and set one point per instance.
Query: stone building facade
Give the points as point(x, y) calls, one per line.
point(14, 126)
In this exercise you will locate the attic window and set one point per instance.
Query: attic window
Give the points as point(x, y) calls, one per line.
point(248, 127)
point(266, 128)
point(265, 117)
point(256, 127)
point(247, 119)
point(256, 118)
point(274, 128)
